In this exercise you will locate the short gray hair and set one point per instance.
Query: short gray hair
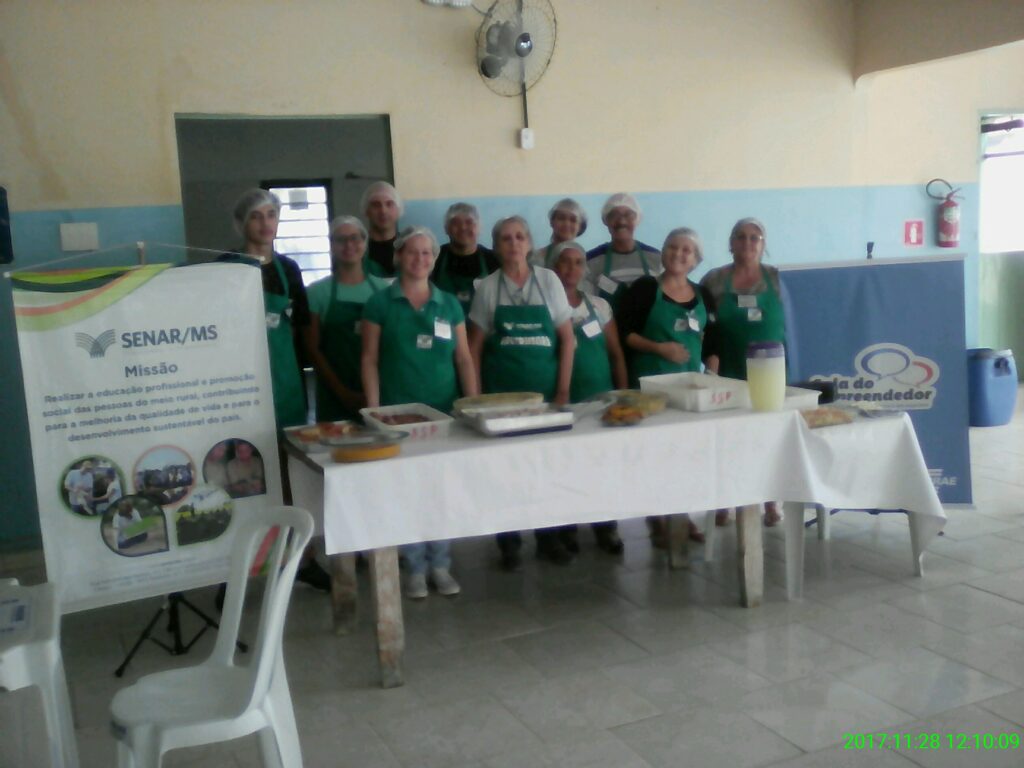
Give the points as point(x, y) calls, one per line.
point(409, 233)
point(352, 221)
point(461, 209)
point(569, 205)
point(517, 219)
point(560, 248)
point(250, 200)
point(690, 235)
point(376, 188)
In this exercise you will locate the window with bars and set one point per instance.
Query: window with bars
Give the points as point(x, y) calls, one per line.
point(302, 231)
point(1002, 184)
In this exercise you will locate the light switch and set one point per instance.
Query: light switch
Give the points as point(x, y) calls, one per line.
point(79, 237)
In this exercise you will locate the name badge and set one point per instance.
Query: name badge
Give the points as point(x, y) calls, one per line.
point(694, 323)
point(607, 285)
point(754, 315)
point(424, 341)
point(680, 324)
point(442, 329)
point(746, 301)
point(273, 320)
point(591, 329)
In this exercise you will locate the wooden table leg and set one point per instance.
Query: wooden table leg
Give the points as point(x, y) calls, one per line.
point(344, 592)
point(387, 603)
point(677, 537)
point(750, 555)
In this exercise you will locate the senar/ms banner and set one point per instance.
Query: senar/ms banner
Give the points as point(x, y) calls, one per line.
point(151, 417)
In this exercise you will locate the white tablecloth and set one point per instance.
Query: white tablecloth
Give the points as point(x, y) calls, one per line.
point(469, 485)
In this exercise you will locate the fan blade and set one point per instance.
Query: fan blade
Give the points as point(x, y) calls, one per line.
point(491, 66)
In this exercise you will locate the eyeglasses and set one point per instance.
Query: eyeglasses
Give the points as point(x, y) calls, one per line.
point(751, 238)
point(343, 239)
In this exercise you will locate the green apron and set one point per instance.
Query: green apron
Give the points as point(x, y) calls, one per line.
point(740, 325)
point(417, 356)
point(342, 345)
point(591, 369)
point(612, 297)
point(460, 286)
point(668, 321)
point(521, 355)
point(285, 375)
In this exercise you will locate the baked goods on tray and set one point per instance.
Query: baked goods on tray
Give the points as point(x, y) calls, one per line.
point(826, 417)
point(648, 403)
point(617, 415)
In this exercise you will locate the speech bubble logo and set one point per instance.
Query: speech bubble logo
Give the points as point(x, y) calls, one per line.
point(918, 374)
point(885, 362)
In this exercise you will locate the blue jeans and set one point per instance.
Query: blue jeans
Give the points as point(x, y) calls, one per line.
point(435, 553)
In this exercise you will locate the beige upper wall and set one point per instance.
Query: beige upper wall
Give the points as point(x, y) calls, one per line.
point(645, 95)
point(895, 33)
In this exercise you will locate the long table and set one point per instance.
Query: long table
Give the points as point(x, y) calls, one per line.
point(674, 462)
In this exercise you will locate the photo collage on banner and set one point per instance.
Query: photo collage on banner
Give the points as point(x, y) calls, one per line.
point(152, 423)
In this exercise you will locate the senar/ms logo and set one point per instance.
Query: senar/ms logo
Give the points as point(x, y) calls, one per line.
point(181, 336)
point(96, 347)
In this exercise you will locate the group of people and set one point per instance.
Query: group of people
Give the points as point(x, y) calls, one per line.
point(389, 325)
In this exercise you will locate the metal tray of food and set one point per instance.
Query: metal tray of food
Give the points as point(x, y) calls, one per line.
point(525, 420)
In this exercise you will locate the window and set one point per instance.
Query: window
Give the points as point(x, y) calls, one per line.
point(1002, 184)
point(302, 233)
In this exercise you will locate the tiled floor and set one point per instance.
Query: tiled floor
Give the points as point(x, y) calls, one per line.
point(626, 664)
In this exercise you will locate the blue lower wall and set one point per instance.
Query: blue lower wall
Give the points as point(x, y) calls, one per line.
point(804, 225)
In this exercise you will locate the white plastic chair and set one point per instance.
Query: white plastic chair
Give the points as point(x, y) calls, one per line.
point(30, 655)
point(217, 700)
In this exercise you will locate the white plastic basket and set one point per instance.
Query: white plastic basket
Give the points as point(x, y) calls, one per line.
point(703, 392)
point(698, 391)
point(437, 425)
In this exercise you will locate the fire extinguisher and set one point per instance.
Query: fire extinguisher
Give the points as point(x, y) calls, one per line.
point(948, 232)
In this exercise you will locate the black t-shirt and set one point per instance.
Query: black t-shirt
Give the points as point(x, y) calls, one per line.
point(383, 253)
point(464, 266)
point(638, 300)
point(272, 282)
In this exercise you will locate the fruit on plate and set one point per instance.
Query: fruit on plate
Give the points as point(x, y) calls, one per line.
point(617, 415)
point(646, 402)
point(309, 434)
point(354, 453)
point(499, 399)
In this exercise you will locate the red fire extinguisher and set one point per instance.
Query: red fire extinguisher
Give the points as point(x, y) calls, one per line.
point(948, 233)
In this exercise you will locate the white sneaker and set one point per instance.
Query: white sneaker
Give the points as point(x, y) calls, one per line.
point(416, 586)
point(444, 583)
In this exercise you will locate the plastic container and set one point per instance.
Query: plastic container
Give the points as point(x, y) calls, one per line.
point(991, 386)
point(437, 424)
point(766, 375)
point(697, 391)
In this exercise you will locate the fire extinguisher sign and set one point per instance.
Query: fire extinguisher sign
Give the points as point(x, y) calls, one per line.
point(913, 232)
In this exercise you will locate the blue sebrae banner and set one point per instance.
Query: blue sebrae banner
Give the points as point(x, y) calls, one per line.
point(890, 335)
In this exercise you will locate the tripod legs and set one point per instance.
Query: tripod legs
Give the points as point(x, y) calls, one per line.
point(171, 605)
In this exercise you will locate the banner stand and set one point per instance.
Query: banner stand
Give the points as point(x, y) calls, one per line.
point(150, 412)
point(171, 606)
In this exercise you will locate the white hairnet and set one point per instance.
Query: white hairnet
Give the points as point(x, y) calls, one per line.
point(569, 205)
point(251, 200)
point(620, 200)
point(379, 187)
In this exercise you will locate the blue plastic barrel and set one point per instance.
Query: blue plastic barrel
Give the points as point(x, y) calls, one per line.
point(991, 386)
